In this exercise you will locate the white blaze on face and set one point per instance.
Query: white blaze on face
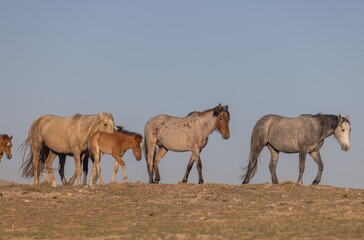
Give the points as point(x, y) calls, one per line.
point(342, 133)
point(141, 145)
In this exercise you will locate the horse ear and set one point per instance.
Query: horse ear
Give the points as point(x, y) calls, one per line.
point(347, 117)
point(340, 118)
point(11, 138)
point(227, 107)
point(219, 107)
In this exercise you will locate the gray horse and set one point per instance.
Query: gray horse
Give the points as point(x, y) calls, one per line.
point(62, 135)
point(182, 134)
point(304, 134)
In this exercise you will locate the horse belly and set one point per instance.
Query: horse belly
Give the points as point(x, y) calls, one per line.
point(57, 139)
point(284, 144)
point(174, 142)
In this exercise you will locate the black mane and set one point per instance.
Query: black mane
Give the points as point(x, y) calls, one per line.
point(6, 136)
point(130, 133)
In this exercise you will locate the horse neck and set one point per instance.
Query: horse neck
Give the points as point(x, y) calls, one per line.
point(127, 140)
point(208, 122)
point(328, 129)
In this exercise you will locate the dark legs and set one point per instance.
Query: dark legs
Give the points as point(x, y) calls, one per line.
point(316, 156)
point(195, 157)
point(62, 162)
point(273, 163)
point(189, 166)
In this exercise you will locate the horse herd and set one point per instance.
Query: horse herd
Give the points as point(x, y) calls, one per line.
point(91, 136)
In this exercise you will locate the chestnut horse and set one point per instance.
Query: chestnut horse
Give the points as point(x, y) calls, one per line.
point(5, 146)
point(181, 134)
point(115, 144)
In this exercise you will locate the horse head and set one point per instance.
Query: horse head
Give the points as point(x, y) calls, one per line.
point(223, 118)
point(137, 147)
point(6, 145)
point(105, 122)
point(342, 132)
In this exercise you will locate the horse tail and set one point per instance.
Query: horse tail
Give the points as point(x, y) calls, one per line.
point(254, 168)
point(26, 167)
point(146, 150)
point(257, 143)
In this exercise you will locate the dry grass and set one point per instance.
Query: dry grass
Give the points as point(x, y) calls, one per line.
point(181, 211)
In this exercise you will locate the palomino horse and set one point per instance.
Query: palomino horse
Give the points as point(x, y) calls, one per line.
point(62, 136)
point(182, 134)
point(115, 144)
point(62, 163)
point(304, 134)
point(5, 146)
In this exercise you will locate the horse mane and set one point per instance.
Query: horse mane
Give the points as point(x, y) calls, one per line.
point(215, 110)
point(131, 133)
point(5, 136)
point(328, 122)
point(85, 122)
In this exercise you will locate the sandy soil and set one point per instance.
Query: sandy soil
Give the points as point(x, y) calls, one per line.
point(181, 211)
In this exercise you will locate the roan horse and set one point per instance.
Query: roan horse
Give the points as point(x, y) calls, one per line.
point(61, 135)
point(5, 146)
point(304, 134)
point(182, 134)
point(115, 144)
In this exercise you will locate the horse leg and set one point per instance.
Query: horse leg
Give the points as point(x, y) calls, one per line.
point(253, 161)
point(273, 163)
point(122, 164)
point(36, 153)
point(160, 154)
point(189, 166)
point(302, 156)
point(72, 179)
point(317, 157)
point(85, 168)
point(198, 165)
point(116, 168)
point(151, 146)
point(77, 158)
point(62, 162)
point(49, 163)
point(98, 169)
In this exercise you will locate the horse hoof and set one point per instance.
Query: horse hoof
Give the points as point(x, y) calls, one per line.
point(315, 182)
point(184, 181)
point(200, 182)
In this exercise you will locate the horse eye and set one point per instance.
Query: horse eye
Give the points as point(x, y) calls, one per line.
point(221, 118)
point(105, 124)
point(343, 130)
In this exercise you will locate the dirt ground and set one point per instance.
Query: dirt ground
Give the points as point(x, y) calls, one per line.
point(181, 211)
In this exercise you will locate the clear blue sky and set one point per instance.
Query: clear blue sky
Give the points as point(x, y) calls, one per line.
point(139, 59)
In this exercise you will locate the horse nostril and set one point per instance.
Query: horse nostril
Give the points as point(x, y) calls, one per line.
point(10, 156)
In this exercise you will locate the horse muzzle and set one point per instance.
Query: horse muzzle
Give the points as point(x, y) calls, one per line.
point(226, 136)
point(9, 156)
point(345, 148)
